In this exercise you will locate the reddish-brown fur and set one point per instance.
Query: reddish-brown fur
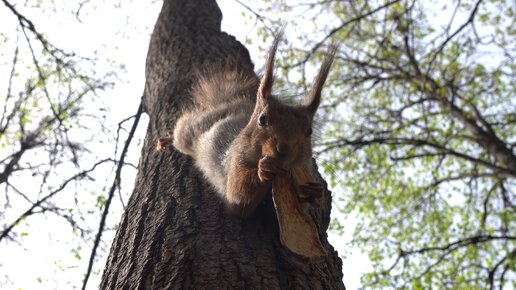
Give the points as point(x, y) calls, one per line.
point(241, 144)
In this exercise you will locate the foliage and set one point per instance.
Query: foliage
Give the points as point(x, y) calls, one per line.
point(419, 133)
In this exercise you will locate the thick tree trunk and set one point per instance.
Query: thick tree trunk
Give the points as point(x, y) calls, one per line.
point(175, 233)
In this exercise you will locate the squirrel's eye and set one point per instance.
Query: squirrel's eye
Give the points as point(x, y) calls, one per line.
point(262, 120)
point(309, 133)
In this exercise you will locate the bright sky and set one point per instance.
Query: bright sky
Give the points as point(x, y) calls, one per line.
point(43, 261)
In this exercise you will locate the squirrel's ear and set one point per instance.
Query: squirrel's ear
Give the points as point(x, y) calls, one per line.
point(314, 96)
point(265, 89)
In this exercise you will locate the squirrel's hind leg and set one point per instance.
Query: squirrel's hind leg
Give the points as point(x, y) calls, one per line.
point(192, 125)
point(185, 133)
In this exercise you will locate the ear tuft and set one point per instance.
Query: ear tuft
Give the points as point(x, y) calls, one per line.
point(314, 96)
point(265, 89)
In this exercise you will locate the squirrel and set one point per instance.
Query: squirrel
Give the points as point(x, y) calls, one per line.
point(241, 135)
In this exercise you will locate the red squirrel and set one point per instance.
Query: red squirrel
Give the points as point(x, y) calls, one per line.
point(241, 135)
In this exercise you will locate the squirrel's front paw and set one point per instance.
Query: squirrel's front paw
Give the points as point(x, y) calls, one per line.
point(309, 191)
point(268, 168)
point(163, 142)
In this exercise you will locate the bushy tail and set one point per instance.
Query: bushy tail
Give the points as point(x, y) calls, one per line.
point(221, 84)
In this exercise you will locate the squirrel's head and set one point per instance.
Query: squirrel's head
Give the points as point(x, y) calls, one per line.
point(284, 132)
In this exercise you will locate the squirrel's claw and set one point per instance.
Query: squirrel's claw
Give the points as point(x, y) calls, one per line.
point(268, 168)
point(311, 190)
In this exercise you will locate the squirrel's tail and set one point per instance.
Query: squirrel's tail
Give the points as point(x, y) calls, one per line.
point(221, 84)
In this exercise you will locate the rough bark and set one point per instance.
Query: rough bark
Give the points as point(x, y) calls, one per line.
point(175, 233)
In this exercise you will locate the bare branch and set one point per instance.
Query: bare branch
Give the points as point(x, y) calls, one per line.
point(470, 20)
point(338, 28)
point(116, 183)
point(38, 203)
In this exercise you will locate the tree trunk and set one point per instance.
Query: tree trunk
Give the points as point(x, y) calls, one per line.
point(175, 232)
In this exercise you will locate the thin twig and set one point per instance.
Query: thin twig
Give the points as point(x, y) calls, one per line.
point(31, 210)
point(338, 28)
point(116, 183)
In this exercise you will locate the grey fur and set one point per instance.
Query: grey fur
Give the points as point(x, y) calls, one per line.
point(224, 106)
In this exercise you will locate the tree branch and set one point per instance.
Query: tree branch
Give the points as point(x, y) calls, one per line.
point(338, 28)
point(470, 20)
point(362, 142)
point(491, 277)
point(116, 183)
point(459, 243)
point(38, 203)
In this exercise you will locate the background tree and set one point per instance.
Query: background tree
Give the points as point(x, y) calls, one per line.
point(58, 142)
point(175, 232)
point(421, 134)
point(43, 102)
